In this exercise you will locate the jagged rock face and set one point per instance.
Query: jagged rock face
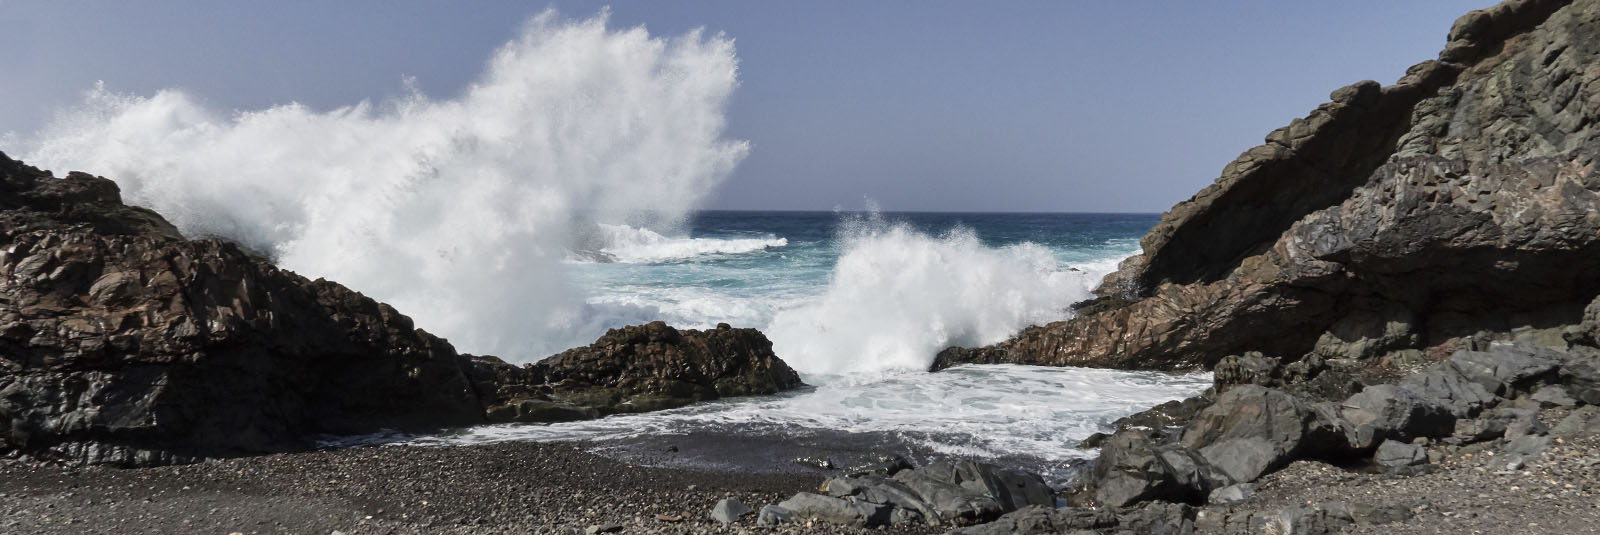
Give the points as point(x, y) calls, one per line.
point(122, 343)
point(1463, 198)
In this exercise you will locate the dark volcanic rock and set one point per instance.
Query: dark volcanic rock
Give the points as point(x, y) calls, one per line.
point(1463, 198)
point(636, 369)
point(123, 343)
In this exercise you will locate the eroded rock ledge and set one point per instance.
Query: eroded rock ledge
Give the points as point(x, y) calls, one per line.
point(1461, 200)
point(122, 343)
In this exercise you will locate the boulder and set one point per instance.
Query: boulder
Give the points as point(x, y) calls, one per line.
point(1251, 368)
point(729, 510)
point(1553, 396)
point(1584, 421)
point(1392, 412)
point(1043, 520)
point(1133, 468)
point(1392, 454)
point(808, 506)
point(1232, 494)
point(882, 464)
point(1441, 385)
point(1505, 370)
point(960, 493)
point(772, 515)
point(1250, 431)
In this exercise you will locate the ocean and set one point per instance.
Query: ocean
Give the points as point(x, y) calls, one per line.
point(859, 303)
point(556, 196)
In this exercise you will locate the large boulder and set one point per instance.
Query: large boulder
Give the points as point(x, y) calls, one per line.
point(637, 369)
point(957, 493)
point(1392, 412)
point(123, 343)
point(1250, 431)
point(1463, 198)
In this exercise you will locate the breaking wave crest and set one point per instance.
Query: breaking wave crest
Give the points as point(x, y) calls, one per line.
point(456, 210)
point(897, 296)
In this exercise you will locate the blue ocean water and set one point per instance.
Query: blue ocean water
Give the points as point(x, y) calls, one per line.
point(859, 304)
point(991, 273)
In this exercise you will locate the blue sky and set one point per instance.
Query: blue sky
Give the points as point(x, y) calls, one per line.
point(958, 106)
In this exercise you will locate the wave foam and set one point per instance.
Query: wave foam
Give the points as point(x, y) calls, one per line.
point(897, 296)
point(457, 211)
point(634, 245)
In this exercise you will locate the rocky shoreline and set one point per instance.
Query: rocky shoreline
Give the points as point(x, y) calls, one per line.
point(1397, 295)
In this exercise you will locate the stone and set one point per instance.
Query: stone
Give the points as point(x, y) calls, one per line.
point(1585, 421)
point(1504, 370)
point(1392, 454)
point(968, 492)
point(1327, 518)
point(1553, 396)
point(729, 510)
point(1392, 412)
point(1369, 515)
point(1133, 468)
point(1445, 387)
point(808, 506)
point(1528, 446)
point(1232, 494)
point(603, 528)
point(1250, 431)
point(1520, 422)
point(772, 515)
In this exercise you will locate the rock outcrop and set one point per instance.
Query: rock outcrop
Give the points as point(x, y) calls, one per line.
point(123, 343)
point(1463, 199)
point(636, 369)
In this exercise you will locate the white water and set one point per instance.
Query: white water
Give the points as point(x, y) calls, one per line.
point(970, 411)
point(634, 245)
point(897, 297)
point(455, 210)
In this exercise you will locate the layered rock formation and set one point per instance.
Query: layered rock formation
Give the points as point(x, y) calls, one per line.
point(1463, 199)
point(123, 343)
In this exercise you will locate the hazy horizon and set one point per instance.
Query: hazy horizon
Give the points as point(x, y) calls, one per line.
point(926, 107)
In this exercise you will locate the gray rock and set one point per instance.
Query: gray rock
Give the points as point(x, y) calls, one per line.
point(1530, 446)
point(772, 515)
point(1232, 494)
point(1520, 422)
point(1582, 368)
point(1392, 454)
point(1582, 422)
point(728, 510)
point(806, 505)
point(1553, 396)
point(1392, 412)
point(1158, 517)
point(1249, 431)
point(1478, 430)
point(1505, 369)
point(1133, 468)
point(909, 506)
point(967, 492)
point(1443, 386)
point(1328, 518)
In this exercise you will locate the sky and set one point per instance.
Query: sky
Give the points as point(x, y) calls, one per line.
point(1074, 106)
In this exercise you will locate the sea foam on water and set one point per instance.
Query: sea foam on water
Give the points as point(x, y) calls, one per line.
point(455, 210)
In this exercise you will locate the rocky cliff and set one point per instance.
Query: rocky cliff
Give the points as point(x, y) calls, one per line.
point(123, 343)
point(1458, 204)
